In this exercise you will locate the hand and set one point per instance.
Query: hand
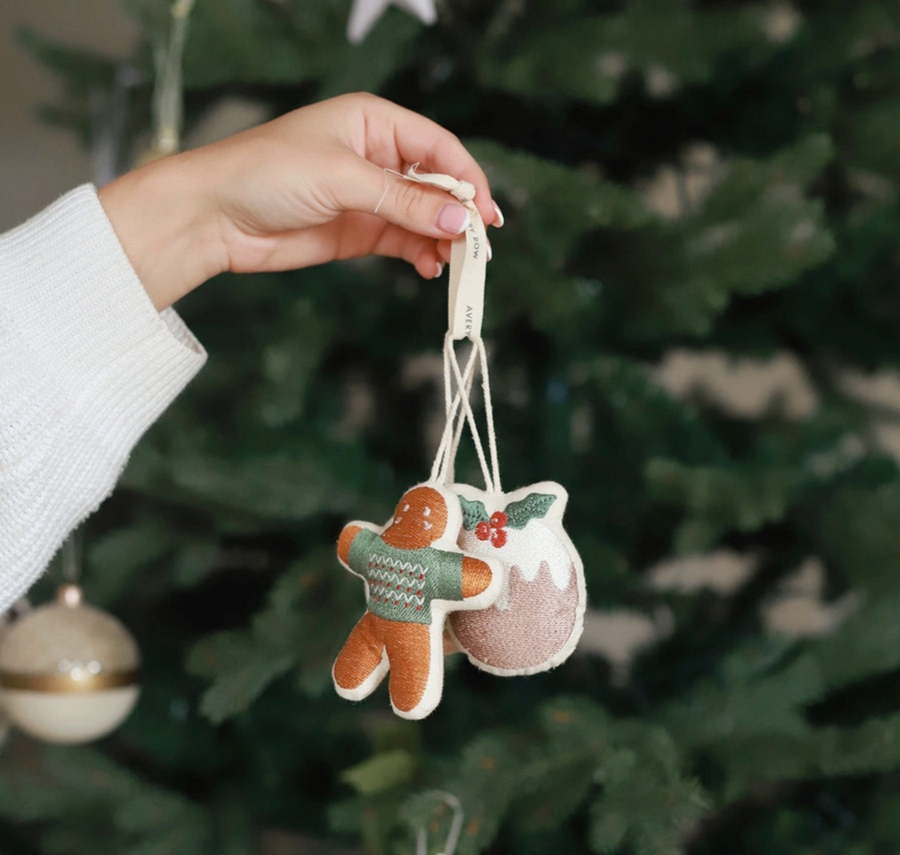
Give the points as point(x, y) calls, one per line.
point(296, 191)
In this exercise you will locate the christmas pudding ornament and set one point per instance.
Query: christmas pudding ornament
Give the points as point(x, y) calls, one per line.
point(415, 574)
point(68, 671)
point(537, 620)
point(535, 623)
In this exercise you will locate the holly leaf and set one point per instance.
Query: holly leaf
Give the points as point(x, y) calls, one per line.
point(473, 513)
point(533, 506)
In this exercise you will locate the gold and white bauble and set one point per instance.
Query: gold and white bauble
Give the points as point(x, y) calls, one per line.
point(68, 671)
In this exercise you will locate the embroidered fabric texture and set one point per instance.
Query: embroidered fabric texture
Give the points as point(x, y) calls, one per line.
point(536, 622)
point(415, 574)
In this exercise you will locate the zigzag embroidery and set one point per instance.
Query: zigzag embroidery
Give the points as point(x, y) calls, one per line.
point(398, 566)
point(385, 575)
point(392, 596)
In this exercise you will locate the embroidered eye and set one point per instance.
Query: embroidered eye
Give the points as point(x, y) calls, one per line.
point(405, 508)
point(426, 512)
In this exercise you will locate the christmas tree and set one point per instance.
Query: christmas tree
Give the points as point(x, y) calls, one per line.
point(693, 316)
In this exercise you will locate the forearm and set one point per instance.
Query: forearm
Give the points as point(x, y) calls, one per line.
point(166, 219)
point(87, 366)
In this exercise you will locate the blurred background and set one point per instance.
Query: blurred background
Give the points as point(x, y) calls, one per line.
point(694, 322)
point(38, 162)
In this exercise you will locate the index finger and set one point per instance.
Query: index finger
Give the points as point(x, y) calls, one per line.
point(396, 137)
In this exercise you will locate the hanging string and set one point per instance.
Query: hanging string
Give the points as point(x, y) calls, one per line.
point(461, 422)
point(459, 413)
point(441, 469)
point(168, 106)
point(489, 416)
point(71, 558)
point(467, 413)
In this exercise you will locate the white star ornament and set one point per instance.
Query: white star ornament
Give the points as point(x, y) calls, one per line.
point(365, 14)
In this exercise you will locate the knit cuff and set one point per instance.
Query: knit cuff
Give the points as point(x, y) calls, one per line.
point(88, 364)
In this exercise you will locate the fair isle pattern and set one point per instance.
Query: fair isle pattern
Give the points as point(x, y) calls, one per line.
point(402, 583)
point(397, 580)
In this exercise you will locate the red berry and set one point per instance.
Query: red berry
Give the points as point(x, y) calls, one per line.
point(482, 531)
point(498, 537)
point(498, 519)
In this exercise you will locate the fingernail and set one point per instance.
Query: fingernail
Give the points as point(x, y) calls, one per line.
point(501, 220)
point(454, 219)
point(490, 251)
point(439, 269)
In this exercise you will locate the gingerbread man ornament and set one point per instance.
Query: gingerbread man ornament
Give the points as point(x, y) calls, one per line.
point(415, 574)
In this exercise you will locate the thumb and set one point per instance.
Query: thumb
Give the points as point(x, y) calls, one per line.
point(416, 207)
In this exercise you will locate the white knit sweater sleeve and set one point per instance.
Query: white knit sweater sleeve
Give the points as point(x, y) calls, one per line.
point(86, 365)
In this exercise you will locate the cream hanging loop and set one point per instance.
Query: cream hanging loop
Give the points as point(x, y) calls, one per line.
point(468, 258)
point(71, 558)
point(460, 413)
point(468, 267)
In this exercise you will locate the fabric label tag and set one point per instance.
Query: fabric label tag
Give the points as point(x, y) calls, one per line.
point(468, 259)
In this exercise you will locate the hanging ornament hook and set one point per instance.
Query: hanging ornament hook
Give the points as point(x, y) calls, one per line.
point(71, 558)
point(69, 592)
point(455, 826)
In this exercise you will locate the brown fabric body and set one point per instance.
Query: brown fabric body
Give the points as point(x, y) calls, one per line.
point(408, 647)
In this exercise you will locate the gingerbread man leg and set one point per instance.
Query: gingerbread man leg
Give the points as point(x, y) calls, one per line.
point(409, 654)
point(362, 663)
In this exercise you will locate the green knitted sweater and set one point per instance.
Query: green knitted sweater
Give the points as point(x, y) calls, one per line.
point(403, 582)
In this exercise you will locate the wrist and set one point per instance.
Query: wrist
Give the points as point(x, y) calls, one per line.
point(168, 224)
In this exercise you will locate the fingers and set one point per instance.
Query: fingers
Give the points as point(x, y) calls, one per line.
point(397, 138)
point(421, 252)
point(300, 211)
point(367, 188)
point(351, 235)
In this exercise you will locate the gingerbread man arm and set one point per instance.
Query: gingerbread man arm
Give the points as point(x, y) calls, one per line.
point(476, 576)
point(346, 540)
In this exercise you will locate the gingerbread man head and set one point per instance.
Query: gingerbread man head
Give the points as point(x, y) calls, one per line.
point(419, 520)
